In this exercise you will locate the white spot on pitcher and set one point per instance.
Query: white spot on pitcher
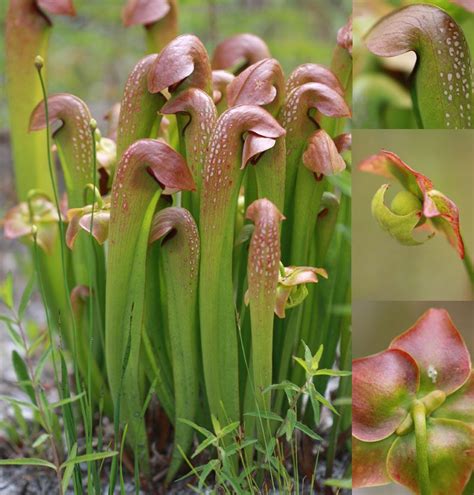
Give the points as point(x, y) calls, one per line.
point(432, 373)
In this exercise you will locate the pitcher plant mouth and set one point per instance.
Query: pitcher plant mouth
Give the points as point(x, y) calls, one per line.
point(441, 81)
point(145, 11)
point(158, 17)
point(238, 52)
point(183, 63)
point(261, 84)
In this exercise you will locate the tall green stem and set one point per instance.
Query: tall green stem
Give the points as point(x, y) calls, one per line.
point(180, 262)
point(39, 63)
point(133, 396)
point(228, 154)
point(162, 31)
point(27, 31)
point(68, 317)
point(147, 167)
point(75, 145)
point(264, 258)
point(419, 419)
point(467, 261)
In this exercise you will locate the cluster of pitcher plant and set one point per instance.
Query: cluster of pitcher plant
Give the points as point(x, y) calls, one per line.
point(183, 257)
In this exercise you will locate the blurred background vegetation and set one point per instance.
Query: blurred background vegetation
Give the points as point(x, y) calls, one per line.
point(383, 269)
point(375, 324)
point(92, 54)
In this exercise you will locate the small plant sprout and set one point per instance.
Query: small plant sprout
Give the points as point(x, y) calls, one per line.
point(310, 364)
point(441, 82)
point(413, 420)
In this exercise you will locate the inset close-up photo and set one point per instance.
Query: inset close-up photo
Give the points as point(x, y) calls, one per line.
point(413, 215)
point(413, 398)
point(412, 64)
